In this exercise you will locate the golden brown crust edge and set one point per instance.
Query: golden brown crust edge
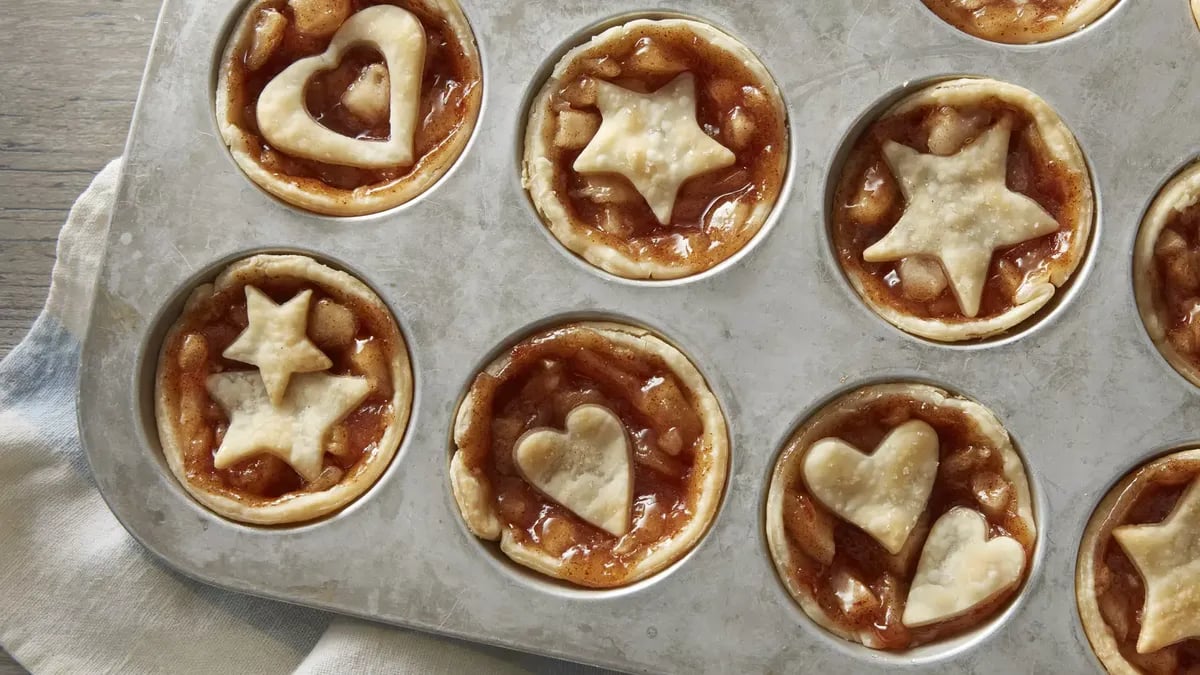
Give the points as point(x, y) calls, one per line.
point(305, 507)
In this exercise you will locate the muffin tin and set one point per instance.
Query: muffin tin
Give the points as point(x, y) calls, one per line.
point(468, 268)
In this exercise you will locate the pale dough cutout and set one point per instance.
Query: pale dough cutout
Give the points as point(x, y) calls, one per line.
point(276, 341)
point(295, 430)
point(1167, 555)
point(587, 469)
point(883, 493)
point(285, 122)
point(653, 140)
point(960, 568)
point(959, 210)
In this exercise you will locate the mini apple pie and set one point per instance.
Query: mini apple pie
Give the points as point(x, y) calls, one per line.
point(594, 453)
point(1137, 580)
point(283, 390)
point(962, 210)
point(1020, 21)
point(1166, 272)
point(657, 149)
point(349, 107)
point(899, 515)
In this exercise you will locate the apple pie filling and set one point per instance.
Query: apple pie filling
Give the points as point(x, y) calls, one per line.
point(281, 381)
point(961, 211)
point(899, 516)
point(593, 452)
point(657, 149)
point(1019, 21)
point(1137, 598)
point(349, 106)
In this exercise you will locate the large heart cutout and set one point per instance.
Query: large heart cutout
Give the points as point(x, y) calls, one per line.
point(284, 119)
point(587, 469)
point(961, 568)
point(883, 493)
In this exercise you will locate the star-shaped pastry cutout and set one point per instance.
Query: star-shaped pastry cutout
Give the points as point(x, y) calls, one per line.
point(293, 430)
point(653, 140)
point(1167, 555)
point(959, 210)
point(276, 340)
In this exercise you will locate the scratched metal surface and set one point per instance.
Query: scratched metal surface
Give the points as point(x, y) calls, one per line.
point(469, 265)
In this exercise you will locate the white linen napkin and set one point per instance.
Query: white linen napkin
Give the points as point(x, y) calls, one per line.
point(79, 595)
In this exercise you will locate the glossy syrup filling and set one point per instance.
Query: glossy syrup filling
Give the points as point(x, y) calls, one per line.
point(450, 85)
point(357, 338)
point(545, 378)
point(1120, 592)
point(1177, 263)
point(1014, 21)
point(709, 222)
point(970, 474)
point(868, 203)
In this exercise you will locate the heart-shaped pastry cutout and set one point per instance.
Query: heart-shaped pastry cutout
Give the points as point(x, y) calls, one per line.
point(587, 469)
point(284, 119)
point(883, 493)
point(961, 568)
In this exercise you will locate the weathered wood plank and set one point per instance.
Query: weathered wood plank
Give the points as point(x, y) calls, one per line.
point(63, 116)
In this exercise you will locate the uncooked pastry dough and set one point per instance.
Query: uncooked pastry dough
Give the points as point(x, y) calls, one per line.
point(587, 469)
point(1167, 555)
point(653, 140)
point(959, 210)
point(961, 568)
point(884, 492)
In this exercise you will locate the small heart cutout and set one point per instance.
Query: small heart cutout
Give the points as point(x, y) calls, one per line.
point(961, 568)
point(588, 469)
point(286, 123)
point(883, 493)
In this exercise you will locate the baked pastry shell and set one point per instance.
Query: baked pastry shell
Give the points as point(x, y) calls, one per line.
point(292, 508)
point(1103, 643)
point(1059, 141)
point(1181, 193)
point(365, 200)
point(790, 462)
point(479, 513)
point(538, 171)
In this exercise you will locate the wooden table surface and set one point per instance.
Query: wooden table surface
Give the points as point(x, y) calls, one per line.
point(70, 78)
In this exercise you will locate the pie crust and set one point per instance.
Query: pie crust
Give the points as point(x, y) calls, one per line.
point(670, 509)
point(1145, 498)
point(624, 100)
point(1166, 279)
point(357, 163)
point(948, 139)
point(204, 382)
point(1020, 21)
point(851, 578)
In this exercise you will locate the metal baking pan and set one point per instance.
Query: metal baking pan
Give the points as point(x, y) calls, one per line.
point(469, 266)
